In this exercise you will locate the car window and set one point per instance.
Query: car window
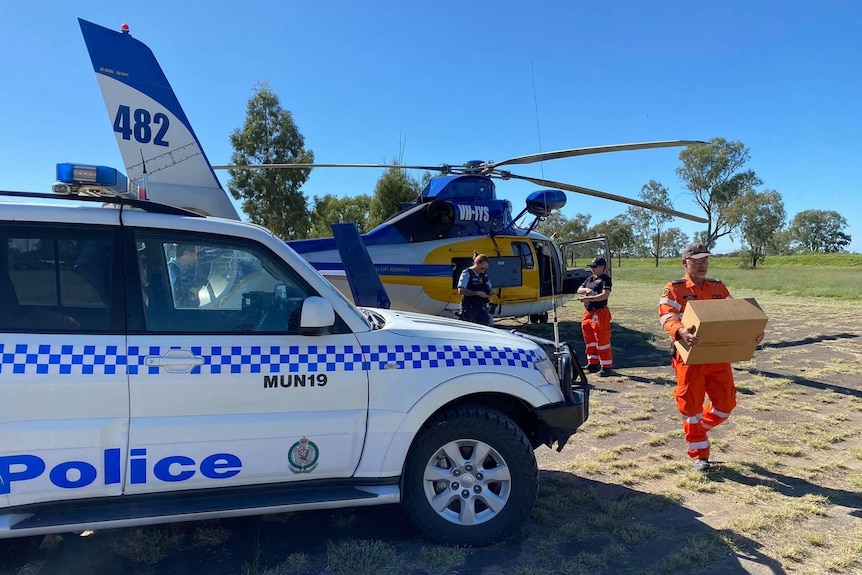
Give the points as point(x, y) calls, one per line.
point(57, 280)
point(207, 285)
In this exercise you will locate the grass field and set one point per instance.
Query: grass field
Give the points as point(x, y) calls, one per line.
point(837, 276)
point(621, 498)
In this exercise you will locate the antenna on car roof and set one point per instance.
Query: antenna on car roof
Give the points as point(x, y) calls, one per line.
point(143, 193)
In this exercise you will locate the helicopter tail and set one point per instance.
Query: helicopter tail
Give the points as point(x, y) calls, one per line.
point(365, 284)
point(159, 147)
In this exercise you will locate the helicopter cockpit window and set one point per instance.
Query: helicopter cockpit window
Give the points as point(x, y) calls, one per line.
point(522, 250)
point(206, 286)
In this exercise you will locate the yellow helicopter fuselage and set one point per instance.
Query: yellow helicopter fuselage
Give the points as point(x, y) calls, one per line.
point(531, 264)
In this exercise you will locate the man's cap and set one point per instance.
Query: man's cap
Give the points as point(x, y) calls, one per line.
point(695, 251)
point(597, 262)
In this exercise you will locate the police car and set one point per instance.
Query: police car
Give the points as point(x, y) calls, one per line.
point(157, 365)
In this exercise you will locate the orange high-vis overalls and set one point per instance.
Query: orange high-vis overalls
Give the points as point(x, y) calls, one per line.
point(596, 329)
point(596, 324)
point(695, 382)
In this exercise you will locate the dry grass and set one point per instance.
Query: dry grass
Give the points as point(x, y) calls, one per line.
point(362, 557)
point(148, 544)
point(441, 559)
point(788, 482)
point(211, 535)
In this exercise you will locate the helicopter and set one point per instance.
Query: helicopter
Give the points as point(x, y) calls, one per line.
point(419, 252)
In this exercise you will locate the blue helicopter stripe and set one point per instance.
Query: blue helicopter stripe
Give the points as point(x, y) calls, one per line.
point(384, 234)
point(312, 245)
point(422, 270)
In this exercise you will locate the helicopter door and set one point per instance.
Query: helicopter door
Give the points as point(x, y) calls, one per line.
point(576, 256)
point(548, 265)
point(503, 271)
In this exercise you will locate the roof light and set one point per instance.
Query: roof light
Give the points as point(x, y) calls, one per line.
point(89, 180)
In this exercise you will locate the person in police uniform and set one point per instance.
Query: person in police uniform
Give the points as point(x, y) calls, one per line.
point(475, 289)
point(596, 321)
point(694, 383)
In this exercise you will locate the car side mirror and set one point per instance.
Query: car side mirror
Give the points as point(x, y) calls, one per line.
point(316, 316)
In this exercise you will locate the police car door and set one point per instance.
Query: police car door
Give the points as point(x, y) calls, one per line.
point(63, 389)
point(225, 390)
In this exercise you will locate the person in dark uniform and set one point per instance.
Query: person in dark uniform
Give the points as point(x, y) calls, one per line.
point(596, 322)
point(475, 289)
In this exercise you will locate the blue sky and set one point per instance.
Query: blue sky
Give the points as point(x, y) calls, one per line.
point(470, 80)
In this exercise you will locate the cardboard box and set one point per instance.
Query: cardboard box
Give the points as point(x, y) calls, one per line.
point(727, 328)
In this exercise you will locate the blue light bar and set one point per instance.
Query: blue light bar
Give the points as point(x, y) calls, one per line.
point(86, 175)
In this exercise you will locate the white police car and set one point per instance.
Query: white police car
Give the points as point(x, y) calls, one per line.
point(159, 366)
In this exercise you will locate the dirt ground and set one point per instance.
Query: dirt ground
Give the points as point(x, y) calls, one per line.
point(620, 498)
point(795, 435)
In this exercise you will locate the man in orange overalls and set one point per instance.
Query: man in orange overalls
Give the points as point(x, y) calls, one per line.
point(596, 321)
point(695, 382)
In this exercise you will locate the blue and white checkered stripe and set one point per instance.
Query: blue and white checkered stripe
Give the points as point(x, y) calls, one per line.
point(432, 356)
point(107, 360)
point(65, 359)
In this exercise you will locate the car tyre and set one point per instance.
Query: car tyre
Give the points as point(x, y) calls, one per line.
point(471, 477)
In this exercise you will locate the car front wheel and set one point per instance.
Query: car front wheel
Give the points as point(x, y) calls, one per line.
point(471, 478)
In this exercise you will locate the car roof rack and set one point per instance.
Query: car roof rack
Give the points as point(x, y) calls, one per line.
point(146, 205)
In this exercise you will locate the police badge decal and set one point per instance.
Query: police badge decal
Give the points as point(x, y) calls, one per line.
point(302, 457)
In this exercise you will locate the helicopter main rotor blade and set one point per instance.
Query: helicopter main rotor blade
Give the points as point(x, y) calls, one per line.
point(295, 166)
point(529, 159)
point(607, 196)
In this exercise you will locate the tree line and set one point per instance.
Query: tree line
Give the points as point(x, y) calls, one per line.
point(274, 198)
point(716, 177)
point(715, 174)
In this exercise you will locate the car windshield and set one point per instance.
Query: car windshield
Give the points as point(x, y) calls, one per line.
point(302, 262)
